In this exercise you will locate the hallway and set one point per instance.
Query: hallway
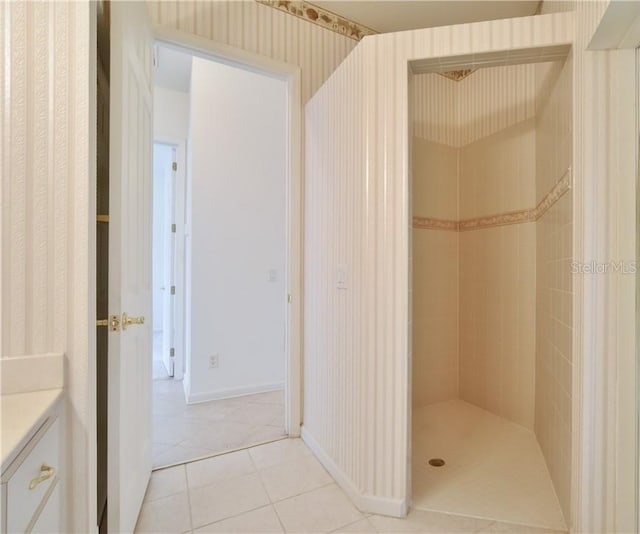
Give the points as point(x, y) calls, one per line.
point(184, 432)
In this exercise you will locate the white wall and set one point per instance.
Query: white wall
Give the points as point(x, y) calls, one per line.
point(170, 113)
point(238, 145)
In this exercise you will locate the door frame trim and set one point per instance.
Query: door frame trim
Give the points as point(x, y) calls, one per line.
point(291, 74)
point(180, 146)
point(606, 458)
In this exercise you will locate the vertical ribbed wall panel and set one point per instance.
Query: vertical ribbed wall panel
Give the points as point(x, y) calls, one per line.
point(593, 381)
point(435, 114)
point(493, 99)
point(356, 383)
point(35, 148)
point(485, 102)
point(48, 215)
point(260, 29)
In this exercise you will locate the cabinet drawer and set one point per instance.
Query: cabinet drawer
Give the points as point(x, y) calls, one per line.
point(49, 520)
point(24, 492)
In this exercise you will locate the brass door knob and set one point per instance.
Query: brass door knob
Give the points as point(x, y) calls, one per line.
point(127, 320)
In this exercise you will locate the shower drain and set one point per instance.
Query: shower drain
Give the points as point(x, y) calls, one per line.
point(436, 462)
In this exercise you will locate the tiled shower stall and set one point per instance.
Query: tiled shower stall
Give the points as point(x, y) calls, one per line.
point(491, 291)
point(437, 239)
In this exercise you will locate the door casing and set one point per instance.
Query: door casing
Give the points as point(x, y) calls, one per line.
point(291, 74)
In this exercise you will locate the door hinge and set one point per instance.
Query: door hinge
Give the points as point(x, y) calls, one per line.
point(174, 166)
point(173, 290)
point(173, 228)
point(289, 298)
point(172, 352)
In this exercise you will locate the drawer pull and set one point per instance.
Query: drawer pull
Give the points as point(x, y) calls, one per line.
point(46, 472)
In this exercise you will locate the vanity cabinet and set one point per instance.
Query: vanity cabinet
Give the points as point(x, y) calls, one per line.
point(31, 484)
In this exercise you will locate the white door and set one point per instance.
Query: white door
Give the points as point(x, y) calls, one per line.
point(168, 263)
point(130, 286)
point(163, 237)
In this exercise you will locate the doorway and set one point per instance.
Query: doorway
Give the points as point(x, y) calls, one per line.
point(221, 274)
point(165, 170)
point(491, 292)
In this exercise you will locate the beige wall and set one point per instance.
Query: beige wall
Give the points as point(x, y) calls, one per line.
point(435, 280)
point(554, 296)
point(502, 290)
point(497, 320)
point(473, 292)
point(497, 172)
point(497, 275)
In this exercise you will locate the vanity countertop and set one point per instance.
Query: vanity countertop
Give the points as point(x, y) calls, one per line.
point(22, 415)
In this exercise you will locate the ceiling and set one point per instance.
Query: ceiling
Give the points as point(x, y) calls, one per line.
point(390, 16)
point(172, 69)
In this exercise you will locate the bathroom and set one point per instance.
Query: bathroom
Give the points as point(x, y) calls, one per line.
point(491, 292)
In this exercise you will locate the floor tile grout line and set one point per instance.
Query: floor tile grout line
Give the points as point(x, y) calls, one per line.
point(259, 472)
point(222, 480)
point(279, 518)
point(221, 453)
point(235, 516)
point(353, 523)
point(305, 492)
point(240, 513)
point(308, 491)
point(186, 479)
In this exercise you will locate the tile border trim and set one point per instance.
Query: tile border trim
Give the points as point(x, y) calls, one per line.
point(427, 223)
point(457, 75)
point(560, 188)
point(344, 26)
point(501, 219)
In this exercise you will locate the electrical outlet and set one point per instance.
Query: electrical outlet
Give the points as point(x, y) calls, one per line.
point(214, 361)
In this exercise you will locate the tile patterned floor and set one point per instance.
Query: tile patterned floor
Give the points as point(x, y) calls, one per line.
point(182, 433)
point(277, 487)
point(494, 468)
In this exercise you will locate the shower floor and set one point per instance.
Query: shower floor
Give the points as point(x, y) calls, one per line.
point(494, 469)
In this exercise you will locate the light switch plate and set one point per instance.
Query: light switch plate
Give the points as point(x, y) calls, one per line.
point(342, 276)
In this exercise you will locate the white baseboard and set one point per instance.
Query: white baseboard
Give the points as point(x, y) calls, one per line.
point(196, 398)
point(364, 502)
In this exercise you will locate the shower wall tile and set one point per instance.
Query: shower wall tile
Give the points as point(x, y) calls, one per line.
point(554, 315)
point(497, 320)
point(497, 173)
point(435, 316)
point(435, 274)
point(434, 180)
